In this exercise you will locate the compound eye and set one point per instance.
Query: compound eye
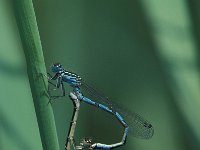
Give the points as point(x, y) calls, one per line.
point(57, 65)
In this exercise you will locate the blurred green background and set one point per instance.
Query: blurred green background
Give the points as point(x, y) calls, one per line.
point(142, 54)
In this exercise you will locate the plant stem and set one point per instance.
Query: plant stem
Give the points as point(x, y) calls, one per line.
point(70, 137)
point(26, 20)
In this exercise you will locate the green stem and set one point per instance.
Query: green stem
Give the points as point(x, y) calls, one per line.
point(26, 20)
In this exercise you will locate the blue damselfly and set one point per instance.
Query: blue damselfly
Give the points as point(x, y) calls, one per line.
point(132, 122)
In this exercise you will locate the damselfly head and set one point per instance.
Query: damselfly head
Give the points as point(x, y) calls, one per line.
point(56, 67)
point(88, 139)
point(86, 142)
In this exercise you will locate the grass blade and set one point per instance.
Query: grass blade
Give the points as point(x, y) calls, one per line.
point(30, 38)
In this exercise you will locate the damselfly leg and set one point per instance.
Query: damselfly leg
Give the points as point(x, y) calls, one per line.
point(56, 86)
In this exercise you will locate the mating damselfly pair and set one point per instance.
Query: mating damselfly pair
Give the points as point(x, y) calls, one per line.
point(132, 122)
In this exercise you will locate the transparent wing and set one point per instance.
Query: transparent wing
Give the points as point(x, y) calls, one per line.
point(95, 94)
point(138, 126)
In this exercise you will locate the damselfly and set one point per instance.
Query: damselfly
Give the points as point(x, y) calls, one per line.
point(132, 122)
